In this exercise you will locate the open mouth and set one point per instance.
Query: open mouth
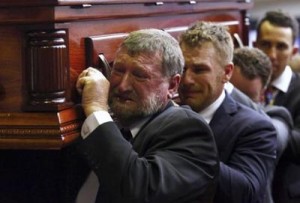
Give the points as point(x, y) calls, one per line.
point(124, 98)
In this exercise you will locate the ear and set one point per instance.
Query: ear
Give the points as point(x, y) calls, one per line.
point(228, 70)
point(295, 50)
point(173, 86)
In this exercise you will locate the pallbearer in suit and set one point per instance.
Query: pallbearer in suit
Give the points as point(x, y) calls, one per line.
point(252, 72)
point(173, 156)
point(246, 139)
point(276, 36)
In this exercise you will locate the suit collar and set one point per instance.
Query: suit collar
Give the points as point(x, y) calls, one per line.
point(136, 128)
point(227, 108)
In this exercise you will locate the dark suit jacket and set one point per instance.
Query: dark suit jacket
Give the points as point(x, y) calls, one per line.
point(172, 159)
point(291, 99)
point(246, 142)
point(241, 97)
point(286, 183)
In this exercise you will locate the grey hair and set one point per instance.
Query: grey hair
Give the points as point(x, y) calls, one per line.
point(153, 41)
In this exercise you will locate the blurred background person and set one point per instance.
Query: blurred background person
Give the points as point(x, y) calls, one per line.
point(251, 75)
point(276, 36)
point(252, 72)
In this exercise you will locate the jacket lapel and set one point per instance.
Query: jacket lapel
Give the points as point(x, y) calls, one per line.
point(221, 120)
point(282, 97)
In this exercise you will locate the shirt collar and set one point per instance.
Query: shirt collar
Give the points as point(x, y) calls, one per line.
point(209, 111)
point(135, 128)
point(283, 81)
point(228, 87)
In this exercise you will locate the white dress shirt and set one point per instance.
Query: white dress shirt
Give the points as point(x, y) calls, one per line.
point(93, 121)
point(229, 87)
point(282, 83)
point(88, 191)
point(209, 111)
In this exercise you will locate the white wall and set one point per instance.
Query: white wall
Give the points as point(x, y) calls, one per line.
point(261, 6)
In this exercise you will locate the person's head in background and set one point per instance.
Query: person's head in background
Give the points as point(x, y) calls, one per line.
point(208, 50)
point(252, 72)
point(276, 36)
point(145, 74)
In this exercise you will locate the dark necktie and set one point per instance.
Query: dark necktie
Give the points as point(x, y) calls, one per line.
point(126, 134)
point(270, 95)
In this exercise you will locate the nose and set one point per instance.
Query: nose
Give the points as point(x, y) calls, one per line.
point(272, 53)
point(187, 77)
point(125, 83)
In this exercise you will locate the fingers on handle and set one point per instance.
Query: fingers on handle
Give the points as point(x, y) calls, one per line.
point(80, 84)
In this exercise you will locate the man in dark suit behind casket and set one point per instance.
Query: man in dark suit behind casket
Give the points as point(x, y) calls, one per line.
point(246, 140)
point(171, 156)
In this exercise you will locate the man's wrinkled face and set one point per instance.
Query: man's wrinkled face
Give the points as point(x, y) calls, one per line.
point(137, 86)
point(277, 43)
point(203, 78)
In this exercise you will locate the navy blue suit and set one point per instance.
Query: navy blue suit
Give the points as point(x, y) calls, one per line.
point(246, 142)
point(291, 99)
point(286, 183)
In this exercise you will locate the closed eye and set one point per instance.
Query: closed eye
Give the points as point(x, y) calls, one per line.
point(118, 70)
point(199, 69)
point(140, 74)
